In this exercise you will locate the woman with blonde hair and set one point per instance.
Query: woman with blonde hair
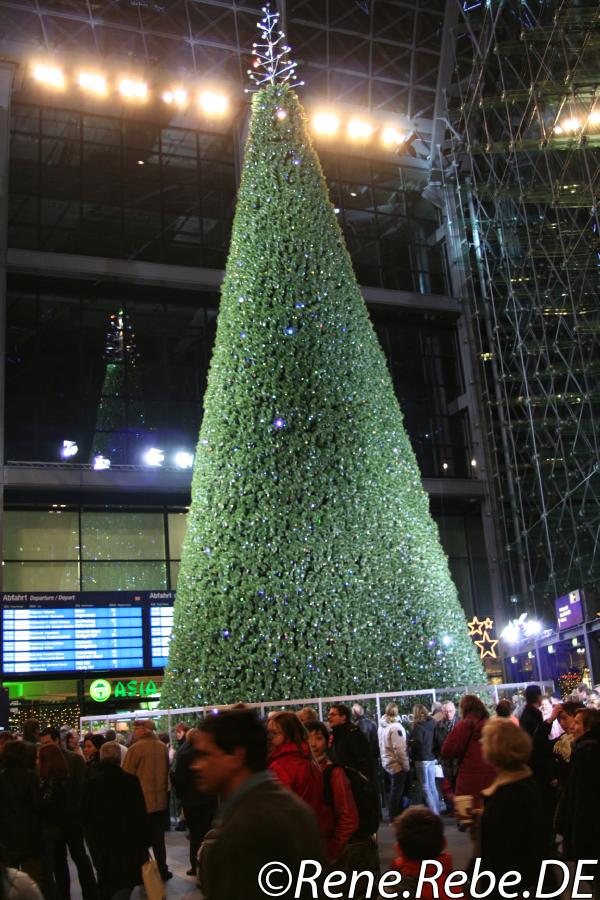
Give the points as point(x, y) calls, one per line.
point(510, 834)
point(394, 758)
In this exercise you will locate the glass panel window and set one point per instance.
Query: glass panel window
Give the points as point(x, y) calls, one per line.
point(177, 526)
point(122, 535)
point(41, 576)
point(40, 534)
point(123, 576)
point(174, 575)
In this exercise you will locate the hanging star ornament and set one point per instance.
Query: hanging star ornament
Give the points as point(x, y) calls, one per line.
point(487, 646)
point(475, 627)
point(488, 624)
point(272, 63)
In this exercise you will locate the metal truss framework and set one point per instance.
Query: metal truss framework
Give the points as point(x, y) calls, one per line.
point(524, 160)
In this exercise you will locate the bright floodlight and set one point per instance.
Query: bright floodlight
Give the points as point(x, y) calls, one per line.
point(184, 460)
point(176, 97)
point(511, 633)
point(100, 462)
point(531, 628)
point(154, 457)
point(50, 76)
point(212, 103)
point(572, 124)
point(594, 117)
point(69, 449)
point(359, 130)
point(91, 81)
point(391, 137)
point(133, 90)
point(326, 123)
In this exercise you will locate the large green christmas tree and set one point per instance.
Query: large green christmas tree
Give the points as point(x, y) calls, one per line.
point(311, 565)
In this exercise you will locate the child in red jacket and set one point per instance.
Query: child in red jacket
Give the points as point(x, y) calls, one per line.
point(419, 836)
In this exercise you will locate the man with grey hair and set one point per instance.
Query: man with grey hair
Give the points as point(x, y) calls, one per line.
point(148, 759)
point(449, 766)
point(117, 840)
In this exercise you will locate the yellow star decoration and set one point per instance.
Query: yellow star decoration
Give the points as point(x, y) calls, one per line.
point(475, 627)
point(488, 624)
point(487, 646)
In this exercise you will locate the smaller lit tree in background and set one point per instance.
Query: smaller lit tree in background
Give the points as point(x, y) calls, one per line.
point(120, 410)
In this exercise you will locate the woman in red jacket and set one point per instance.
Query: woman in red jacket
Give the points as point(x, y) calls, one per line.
point(345, 820)
point(463, 744)
point(291, 761)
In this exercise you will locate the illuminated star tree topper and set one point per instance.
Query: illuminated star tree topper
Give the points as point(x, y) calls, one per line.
point(272, 63)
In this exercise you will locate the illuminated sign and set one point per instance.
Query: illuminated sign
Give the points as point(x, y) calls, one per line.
point(100, 690)
point(569, 610)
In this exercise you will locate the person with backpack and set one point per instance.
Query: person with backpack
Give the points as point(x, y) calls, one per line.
point(346, 790)
point(337, 793)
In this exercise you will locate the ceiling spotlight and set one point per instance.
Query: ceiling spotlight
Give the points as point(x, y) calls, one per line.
point(213, 104)
point(359, 130)
point(391, 137)
point(176, 97)
point(473, 462)
point(154, 457)
point(572, 124)
point(444, 466)
point(184, 460)
point(50, 76)
point(133, 90)
point(594, 117)
point(557, 129)
point(69, 449)
point(93, 82)
point(100, 462)
point(326, 123)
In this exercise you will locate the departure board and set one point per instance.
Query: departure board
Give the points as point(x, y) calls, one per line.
point(161, 625)
point(85, 632)
point(72, 639)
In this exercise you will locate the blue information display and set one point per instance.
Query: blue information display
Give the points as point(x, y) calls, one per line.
point(57, 633)
point(161, 625)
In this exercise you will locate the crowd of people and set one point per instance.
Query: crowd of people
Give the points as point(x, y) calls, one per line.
point(523, 782)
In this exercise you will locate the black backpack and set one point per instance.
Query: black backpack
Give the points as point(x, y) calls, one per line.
point(365, 797)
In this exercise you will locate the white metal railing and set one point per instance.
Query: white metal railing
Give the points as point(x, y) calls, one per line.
point(433, 694)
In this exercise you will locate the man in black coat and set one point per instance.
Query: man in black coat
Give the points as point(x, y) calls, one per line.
point(369, 729)
point(349, 746)
point(542, 762)
point(581, 815)
point(262, 827)
point(114, 818)
point(198, 807)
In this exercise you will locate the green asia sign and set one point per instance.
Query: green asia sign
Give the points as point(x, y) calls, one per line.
point(101, 689)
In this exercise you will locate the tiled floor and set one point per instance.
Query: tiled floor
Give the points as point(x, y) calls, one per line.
point(182, 887)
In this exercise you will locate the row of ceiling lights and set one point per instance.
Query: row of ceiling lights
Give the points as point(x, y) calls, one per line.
point(212, 102)
point(574, 123)
point(325, 123)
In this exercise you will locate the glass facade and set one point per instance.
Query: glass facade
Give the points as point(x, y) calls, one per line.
point(59, 384)
point(123, 188)
point(81, 549)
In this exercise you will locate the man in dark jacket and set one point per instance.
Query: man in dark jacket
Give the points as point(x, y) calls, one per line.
point(20, 805)
point(198, 807)
point(581, 816)
point(114, 818)
point(370, 731)
point(542, 762)
point(74, 835)
point(349, 746)
point(259, 820)
point(449, 766)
